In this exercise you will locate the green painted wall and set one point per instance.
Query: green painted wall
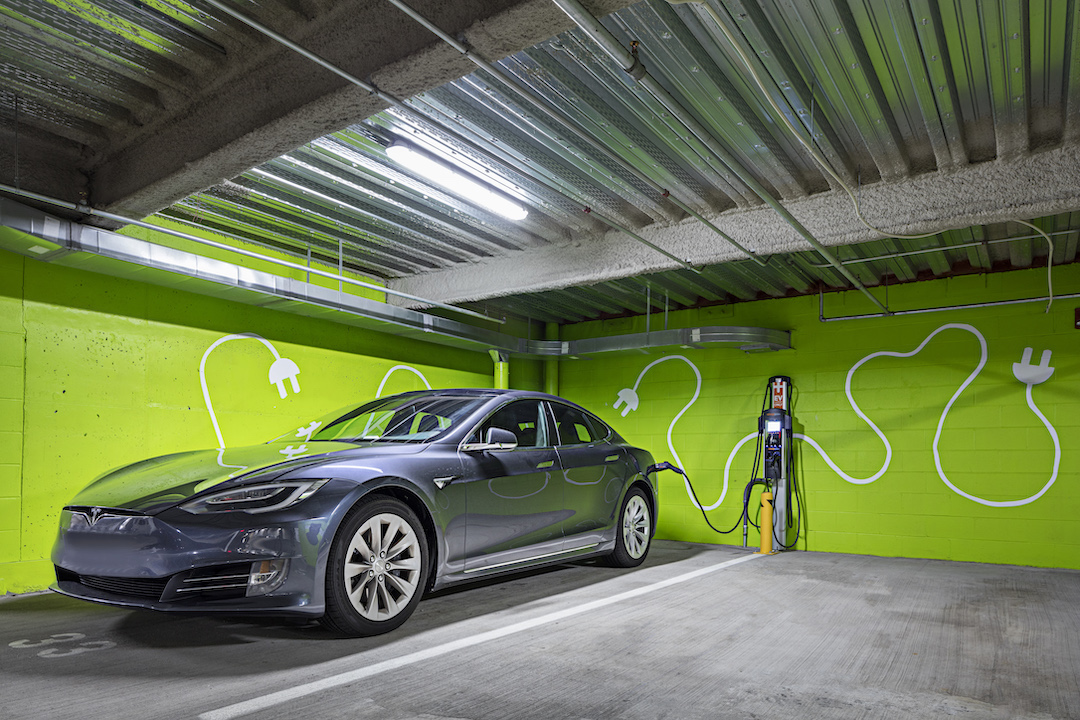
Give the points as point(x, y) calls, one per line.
point(992, 445)
point(96, 372)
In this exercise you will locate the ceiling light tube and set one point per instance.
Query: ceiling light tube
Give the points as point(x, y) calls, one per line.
point(456, 182)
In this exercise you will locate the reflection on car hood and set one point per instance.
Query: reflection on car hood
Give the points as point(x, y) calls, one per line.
point(154, 484)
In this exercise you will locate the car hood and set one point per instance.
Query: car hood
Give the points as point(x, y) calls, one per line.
point(152, 485)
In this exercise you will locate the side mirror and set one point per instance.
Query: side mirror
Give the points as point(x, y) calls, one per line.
point(497, 439)
point(501, 438)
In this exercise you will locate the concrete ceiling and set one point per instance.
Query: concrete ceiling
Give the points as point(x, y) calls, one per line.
point(947, 119)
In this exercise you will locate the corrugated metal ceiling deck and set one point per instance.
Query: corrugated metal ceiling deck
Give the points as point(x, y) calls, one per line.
point(889, 91)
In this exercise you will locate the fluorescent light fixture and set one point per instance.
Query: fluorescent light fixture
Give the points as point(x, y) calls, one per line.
point(456, 182)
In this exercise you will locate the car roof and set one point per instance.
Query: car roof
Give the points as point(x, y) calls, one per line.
point(488, 394)
point(482, 392)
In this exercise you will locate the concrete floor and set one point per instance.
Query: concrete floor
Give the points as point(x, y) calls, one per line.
point(798, 635)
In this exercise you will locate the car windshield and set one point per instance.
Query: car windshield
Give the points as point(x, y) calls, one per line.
point(400, 419)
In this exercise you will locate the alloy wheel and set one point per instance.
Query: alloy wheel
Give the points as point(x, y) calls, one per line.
point(382, 567)
point(636, 527)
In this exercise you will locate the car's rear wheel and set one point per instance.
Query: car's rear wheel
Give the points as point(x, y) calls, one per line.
point(634, 532)
point(377, 569)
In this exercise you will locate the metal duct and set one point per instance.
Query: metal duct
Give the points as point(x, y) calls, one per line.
point(35, 234)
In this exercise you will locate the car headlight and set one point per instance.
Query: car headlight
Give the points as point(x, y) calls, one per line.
point(265, 497)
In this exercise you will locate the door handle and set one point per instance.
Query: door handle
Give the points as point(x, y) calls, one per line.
point(545, 464)
point(611, 458)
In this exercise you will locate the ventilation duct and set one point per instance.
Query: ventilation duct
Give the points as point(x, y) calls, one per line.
point(35, 234)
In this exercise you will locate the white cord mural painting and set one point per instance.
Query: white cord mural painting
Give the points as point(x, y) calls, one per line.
point(282, 370)
point(283, 373)
point(1024, 371)
point(629, 398)
point(391, 371)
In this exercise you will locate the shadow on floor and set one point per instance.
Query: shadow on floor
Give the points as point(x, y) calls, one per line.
point(242, 646)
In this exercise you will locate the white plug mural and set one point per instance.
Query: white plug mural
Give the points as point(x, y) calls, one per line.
point(1024, 371)
point(281, 370)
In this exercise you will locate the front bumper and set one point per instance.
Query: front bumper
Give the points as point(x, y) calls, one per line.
point(175, 561)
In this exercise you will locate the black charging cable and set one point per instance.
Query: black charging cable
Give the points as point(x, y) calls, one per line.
point(798, 502)
point(759, 449)
point(746, 496)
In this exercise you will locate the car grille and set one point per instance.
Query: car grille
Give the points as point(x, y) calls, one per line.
point(149, 588)
point(213, 583)
point(220, 582)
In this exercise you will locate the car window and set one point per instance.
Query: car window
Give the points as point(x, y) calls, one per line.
point(600, 429)
point(524, 418)
point(574, 428)
point(409, 419)
point(424, 422)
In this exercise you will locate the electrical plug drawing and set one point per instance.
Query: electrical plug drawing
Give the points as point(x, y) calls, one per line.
point(630, 398)
point(1030, 374)
point(290, 452)
point(307, 431)
point(284, 369)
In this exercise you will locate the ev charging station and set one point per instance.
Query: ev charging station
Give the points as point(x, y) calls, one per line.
point(774, 450)
point(774, 426)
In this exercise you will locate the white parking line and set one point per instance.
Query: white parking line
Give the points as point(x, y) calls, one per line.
point(282, 696)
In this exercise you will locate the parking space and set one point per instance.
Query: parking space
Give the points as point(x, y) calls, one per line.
point(696, 632)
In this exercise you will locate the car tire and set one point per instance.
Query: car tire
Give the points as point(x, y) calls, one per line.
point(634, 531)
point(377, 569)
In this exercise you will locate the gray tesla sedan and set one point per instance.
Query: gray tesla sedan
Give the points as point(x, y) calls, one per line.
point(355, 515)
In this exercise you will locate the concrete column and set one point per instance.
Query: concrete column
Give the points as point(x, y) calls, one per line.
point(501, 358)
point(551, 364)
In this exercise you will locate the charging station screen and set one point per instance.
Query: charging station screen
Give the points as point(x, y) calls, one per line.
point(772, 426)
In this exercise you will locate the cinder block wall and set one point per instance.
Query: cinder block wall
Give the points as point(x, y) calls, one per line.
point(992, 445)
point(96, 372)
point(12, 343)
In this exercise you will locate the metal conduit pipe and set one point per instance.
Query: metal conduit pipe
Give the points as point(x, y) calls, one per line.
point(942, 248)
point(943, 308)
point(630, 64)
point(582, 133)
point(87, 210)
point(401, 105)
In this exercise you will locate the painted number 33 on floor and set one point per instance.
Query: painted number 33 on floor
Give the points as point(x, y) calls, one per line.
point(62, 645)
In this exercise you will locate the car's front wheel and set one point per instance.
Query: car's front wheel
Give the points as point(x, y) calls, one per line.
point(634, 532)
point(377, 569)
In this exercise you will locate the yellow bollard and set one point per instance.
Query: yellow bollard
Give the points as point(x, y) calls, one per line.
point(766, 524)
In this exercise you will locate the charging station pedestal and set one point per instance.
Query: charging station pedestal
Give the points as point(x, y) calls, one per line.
point(775, 425)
